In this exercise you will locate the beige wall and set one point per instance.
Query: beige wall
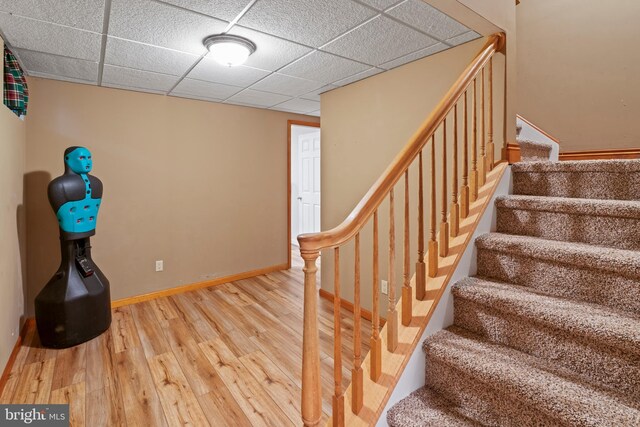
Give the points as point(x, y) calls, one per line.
point(487, 17)
point(578, 65)
point(364, 126)
point(199, 185)
point(12, 229)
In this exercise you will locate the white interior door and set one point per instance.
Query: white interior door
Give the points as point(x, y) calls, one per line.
point(309, 182)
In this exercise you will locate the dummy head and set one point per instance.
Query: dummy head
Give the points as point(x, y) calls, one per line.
point(78, 160)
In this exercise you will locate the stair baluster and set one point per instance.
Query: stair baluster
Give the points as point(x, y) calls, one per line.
point(356, 372)
point(482, 165)
point(376, 343)
point(464, 191)
point(407, 299)
point(338, 397)
point(490, 145)
point(455, 208)
point(433, 243)
point(420, 266)
point(392, 313)
point(444, 225)
point(474, 146)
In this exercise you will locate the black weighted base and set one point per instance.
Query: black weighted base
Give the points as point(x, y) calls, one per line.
point(75, 306)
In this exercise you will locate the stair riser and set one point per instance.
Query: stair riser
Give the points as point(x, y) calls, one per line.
point(489, 404)
point(595, 362)
point(608, 231)
point(564, 280)
point(585, 185)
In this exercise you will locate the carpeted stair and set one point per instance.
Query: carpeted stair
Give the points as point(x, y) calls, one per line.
point(533, 151)
point(548, 333)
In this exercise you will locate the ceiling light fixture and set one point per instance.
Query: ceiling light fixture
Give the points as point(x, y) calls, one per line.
point(229, 50)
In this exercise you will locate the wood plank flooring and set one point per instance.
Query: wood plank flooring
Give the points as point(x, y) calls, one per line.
point(229, 355)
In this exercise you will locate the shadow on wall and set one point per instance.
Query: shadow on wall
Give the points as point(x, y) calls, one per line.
point(21, 231)
point(42, 236)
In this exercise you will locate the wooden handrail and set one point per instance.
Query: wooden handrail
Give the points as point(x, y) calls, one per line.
point(357, 219)
point(369, 207)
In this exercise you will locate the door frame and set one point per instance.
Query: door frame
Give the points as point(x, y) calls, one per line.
point(291, 123)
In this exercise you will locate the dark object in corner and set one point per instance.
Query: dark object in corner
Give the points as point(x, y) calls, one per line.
point(75, 306)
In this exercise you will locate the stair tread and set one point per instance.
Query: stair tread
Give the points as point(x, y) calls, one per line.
point(535, 144)
point(425, 407)
point(619, 261)
point(609, 166)
point(577, 206)
point(592, 321)
point(530, 380)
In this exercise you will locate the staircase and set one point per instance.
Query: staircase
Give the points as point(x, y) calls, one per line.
point(548, 332)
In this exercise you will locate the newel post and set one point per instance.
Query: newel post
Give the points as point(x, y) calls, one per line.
point(311, 391)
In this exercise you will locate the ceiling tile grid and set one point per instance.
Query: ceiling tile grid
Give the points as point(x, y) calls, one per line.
point(323, 67)
point(378, 41)
point(137, 79)
point(41, 36)
point(198, 88)
point(286, 85)
point(210, 71)
point(304, 47)
point(73, 68)
point(298, 105)
point(82, 14)
point(309, 22)
point(145, 57)
point(428, 19)
point(256, 98)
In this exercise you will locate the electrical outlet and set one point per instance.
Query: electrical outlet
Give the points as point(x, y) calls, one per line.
point(159, 265)
point(385, 287)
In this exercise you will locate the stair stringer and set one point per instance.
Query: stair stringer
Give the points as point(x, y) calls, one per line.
point(413, 376)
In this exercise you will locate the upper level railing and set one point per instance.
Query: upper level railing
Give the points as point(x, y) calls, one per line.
point(474, 165)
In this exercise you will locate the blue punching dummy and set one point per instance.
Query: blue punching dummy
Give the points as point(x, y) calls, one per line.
point(75, 305)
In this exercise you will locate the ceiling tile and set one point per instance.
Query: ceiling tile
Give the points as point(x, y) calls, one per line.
point(463, 38)
point(286, 85)
point(312, 22)
point(62, 78)
point(363, 75)
point(226, 10)
point(378, 41)
point(258, 99)
point(298, 105)
point(380, 4)
point(42, 36)
point(162, 25)
point(438, 47)
point(126, 53)
point(205, 89)
point(86, 14)
point(271, 52)
point(323, 67)
point(209, 70)
point(198, 97)
point(134, 89)
point(315, 94)
point(314, 113)
point(137, 79)
point(428, 19)
point(58, 65)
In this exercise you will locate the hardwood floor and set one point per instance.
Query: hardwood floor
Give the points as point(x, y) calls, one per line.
point(228, 355)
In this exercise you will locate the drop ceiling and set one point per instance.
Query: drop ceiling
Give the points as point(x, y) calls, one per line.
point(304, 47)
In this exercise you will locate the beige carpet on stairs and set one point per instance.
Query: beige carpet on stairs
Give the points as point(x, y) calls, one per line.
point(548, 332)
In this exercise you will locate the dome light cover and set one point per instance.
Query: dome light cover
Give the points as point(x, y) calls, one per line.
point(229, 50)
